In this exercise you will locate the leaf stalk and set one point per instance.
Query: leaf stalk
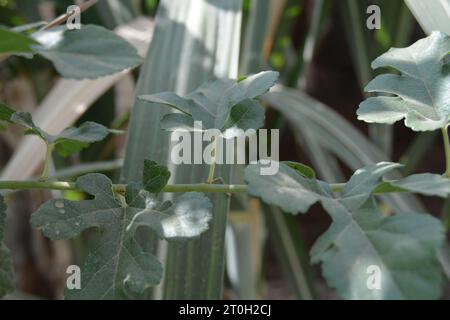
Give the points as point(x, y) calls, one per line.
point(48, 157)
point(212, 166)
point(170, 188)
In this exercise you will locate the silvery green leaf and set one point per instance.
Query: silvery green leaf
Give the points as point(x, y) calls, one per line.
point(425, 183)
point(73, 139)
point(251, 87)
point(362, 183)
point(12, 42)
point(207, 106)
point(117, 257)
point(361, 239)
point(75, 55)
point(70, 140)
point(421, 94)
point(247, 114)
point(178, 121)
point(155, 176)
point(6, 266)
point(220, 104)
point(287, 189)
point(118, 265)
point(170, 99)
point(24, 119)
point(362, 244)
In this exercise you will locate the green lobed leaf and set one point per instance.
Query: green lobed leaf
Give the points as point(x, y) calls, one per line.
point(155, 177)
point(171, 99)
point(403, 248)
point(12, 42)
point(421, 94)
point(6, 266)
point(249, 88)
point(288, 189)
point(24, 119)
point(221, 104)
point(75, 54)
point(245, 115)
point(425, 183)
point(73, 139)
point(364, 181)
point(118, 268)
point(178, 121)
point(69, 141)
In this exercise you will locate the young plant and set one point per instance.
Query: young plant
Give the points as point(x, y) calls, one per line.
point(400, 249)
point(419, 94)
point(118, 268)
point(69, 141)
point(221, 104)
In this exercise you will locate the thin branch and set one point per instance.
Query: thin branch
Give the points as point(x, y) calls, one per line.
point(64, 17)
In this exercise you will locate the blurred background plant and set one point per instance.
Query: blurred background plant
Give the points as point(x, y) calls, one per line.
point(322, 49)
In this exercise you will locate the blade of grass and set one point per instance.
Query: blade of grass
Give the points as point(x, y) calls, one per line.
point(310, 41)
point(431, 15)
point(194, 41)
point(255, 36)
point(245, 251)
point(291, 251)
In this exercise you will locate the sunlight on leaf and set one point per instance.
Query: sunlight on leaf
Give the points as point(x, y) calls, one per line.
point(421, 91)
point(75, 55)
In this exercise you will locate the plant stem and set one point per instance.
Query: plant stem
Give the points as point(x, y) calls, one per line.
point(61, 185)
point(64, 17)
point(25, 185)
point(195, 187)
point(48, 157)
point(212, 166)
point(447, 151)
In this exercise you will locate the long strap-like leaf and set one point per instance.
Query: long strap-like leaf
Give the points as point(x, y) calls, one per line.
point(193, 42)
